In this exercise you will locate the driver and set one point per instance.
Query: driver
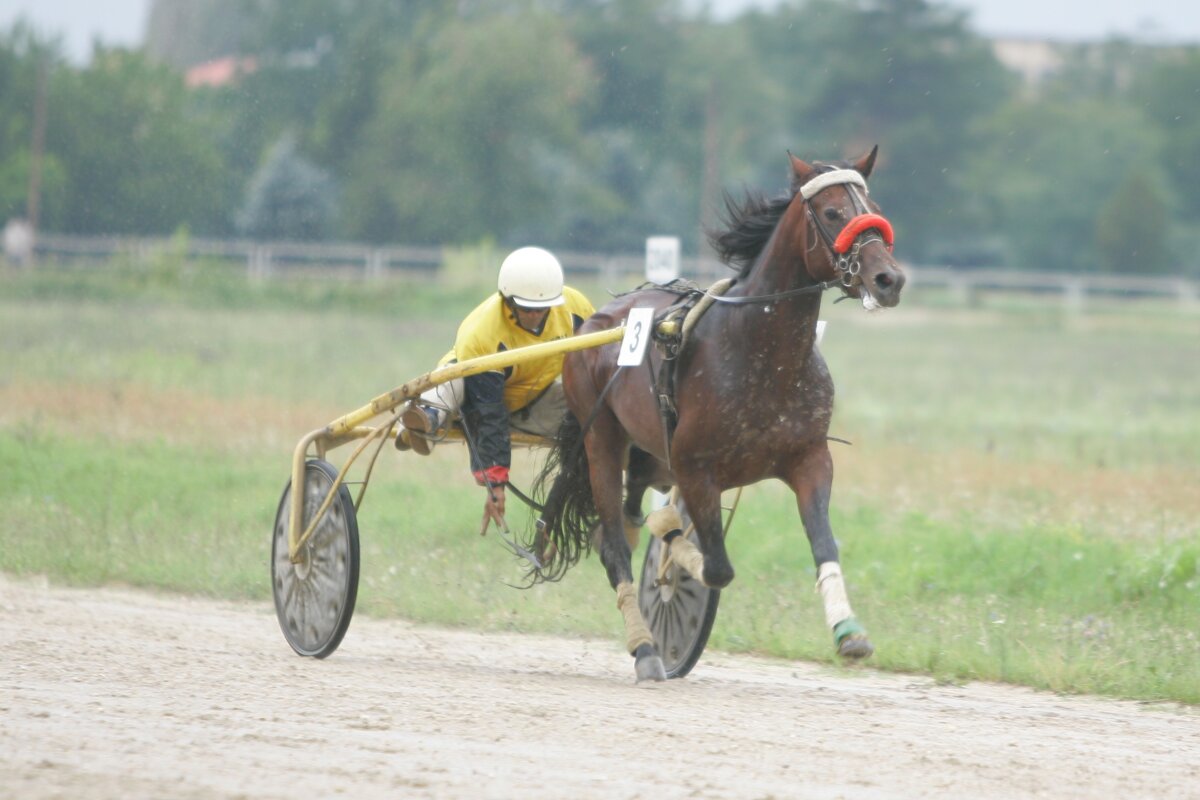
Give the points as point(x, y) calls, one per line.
point(531, 306)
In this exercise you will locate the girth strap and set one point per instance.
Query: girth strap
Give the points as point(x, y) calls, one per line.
point(671, 332)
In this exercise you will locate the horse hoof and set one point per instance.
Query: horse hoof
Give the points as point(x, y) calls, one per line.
point(851, 639)
point(648, 664)
point(856, 646)
point(650, 669)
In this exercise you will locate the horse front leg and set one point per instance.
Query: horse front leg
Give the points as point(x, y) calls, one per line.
point(605, 455)
point(812, 481)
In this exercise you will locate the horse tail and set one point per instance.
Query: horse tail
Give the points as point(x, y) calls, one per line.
point(563, 532)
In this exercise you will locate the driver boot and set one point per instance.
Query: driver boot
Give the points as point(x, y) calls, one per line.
point(420, 425)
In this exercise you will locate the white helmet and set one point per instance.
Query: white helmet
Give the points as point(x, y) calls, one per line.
point(531, 277)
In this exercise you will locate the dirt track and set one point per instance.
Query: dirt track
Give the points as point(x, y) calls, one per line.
point(123, 694)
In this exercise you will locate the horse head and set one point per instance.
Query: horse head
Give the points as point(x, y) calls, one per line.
point(847, 239)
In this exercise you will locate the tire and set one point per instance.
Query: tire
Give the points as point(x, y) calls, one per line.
point(314, 598)
point(680, 612)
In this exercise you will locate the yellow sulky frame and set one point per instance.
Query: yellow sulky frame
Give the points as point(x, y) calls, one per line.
point(349, 427)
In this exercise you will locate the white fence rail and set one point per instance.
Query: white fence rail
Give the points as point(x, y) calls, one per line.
point(264, 259)
point(1073, 288)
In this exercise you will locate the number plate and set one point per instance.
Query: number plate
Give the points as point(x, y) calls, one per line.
point(637, 335)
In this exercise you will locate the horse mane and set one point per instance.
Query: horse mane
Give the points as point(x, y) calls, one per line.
point(748, 226)
point(750, 223)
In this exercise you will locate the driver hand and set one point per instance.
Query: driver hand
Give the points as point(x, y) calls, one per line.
point(493, 508)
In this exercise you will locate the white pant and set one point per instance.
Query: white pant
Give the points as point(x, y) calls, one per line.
point(542, 417)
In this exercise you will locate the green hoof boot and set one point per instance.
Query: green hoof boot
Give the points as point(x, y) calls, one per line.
point(851, 640)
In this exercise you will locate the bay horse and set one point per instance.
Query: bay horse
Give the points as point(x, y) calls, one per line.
point(753, 399)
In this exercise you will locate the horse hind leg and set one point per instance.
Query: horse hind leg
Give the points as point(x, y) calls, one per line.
point(605, 456)
point(642, 472)
point(648, 664)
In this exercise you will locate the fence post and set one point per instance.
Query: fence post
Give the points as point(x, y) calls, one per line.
point(258, 265)
point(608, 272)
point(1073, 296)
point(376, 264)
point(1185, 290)
point(962, 289)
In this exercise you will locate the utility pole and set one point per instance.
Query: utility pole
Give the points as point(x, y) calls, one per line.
point(710, 186)
point(34, 200)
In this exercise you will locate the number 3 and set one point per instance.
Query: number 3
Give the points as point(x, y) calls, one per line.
point(636, 338)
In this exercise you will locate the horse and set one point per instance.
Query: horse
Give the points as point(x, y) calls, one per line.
point(753, 399)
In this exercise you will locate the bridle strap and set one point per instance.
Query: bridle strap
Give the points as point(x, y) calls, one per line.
point(835, 177)
point(845, 240)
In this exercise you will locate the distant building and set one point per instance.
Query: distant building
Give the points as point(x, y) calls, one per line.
point(1040, 60)
point(1033, 59)
point(219, 71)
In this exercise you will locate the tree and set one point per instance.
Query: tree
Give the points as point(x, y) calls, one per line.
point(318, 68)
point(22, 55)
point(632, 46)
point(909, 76)
point(134, 157)
point(288, 198)
point(452, 153)
point(735, 131)
point(638, 170)
point(1047, 169)
point(1132, 228)
point(1167, 92)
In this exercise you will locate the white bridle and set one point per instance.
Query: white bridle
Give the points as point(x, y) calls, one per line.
point(835, 177)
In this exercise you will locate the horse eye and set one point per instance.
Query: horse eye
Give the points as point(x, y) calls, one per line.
point(833, 214)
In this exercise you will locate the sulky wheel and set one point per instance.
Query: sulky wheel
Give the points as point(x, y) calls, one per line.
point(680, 611)
point(314, 598)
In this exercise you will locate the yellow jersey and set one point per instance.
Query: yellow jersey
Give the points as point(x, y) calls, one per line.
point(492, 328)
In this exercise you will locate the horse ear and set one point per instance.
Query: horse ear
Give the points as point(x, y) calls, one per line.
point(865, 164)
point(801, 170)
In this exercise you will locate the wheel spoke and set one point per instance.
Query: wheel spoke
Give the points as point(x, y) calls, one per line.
point(656, 612)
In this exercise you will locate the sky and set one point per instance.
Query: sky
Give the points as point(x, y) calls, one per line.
point(122, 22)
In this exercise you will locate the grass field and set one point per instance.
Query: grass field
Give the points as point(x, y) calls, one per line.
point(1020, 501)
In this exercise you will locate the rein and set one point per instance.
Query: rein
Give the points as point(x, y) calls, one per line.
point(763, 298)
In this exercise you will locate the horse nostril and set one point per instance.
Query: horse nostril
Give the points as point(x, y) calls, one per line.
point(884, 280)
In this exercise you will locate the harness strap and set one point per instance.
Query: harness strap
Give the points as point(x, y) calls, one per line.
point(711, 296)
point(691, 308)
point(664, 392)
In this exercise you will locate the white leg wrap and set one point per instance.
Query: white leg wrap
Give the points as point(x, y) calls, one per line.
point(833, 593)
point(663, 520)
point(687, 556)
point(636, 632)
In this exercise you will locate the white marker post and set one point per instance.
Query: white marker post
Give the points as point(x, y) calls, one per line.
point(662, 259)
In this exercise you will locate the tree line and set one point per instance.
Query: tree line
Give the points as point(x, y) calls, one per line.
point(591, 124)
